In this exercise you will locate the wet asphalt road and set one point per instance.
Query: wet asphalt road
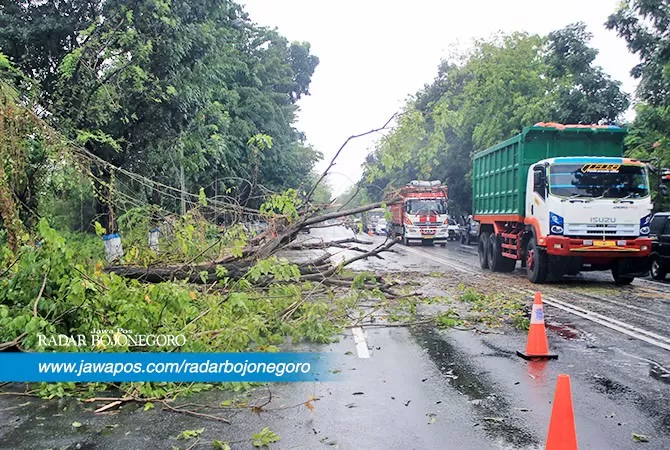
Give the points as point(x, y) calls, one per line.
point(423, 388)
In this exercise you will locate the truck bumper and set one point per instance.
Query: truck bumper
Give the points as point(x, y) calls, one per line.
point(598, 249)
point(437, 235)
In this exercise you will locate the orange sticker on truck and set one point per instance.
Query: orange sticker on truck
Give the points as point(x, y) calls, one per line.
point(601, 168)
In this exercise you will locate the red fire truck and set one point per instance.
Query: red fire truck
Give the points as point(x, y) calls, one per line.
point(421, 214)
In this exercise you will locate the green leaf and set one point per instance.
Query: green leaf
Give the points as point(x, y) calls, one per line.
point(265, 437)
point(202, 198)
point(190, 434)
point(99, 229)
point(76, 424)
point(220, 445)
point(203, 276)
point(148, 406)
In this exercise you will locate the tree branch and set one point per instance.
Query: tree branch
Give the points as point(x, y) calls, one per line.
point(332, 161)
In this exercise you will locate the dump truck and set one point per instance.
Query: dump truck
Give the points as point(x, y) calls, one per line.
point(421, 213)
point(562, 199)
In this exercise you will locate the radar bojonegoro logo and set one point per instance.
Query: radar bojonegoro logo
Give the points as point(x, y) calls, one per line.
point(111, 338)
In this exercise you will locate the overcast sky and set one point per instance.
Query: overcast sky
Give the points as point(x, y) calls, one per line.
point(374, 54)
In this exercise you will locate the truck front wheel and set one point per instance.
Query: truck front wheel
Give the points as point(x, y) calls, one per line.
point(536, 262)
point(483, 250)
point(620, 279)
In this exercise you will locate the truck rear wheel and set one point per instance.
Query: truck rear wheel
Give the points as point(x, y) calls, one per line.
point(536, 262)
point(483, 250)
point(499, 263)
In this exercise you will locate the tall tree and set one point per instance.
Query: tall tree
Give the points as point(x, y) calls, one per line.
point(486, 96)
point(171, 90)
point(586, 94)
point(645, 25)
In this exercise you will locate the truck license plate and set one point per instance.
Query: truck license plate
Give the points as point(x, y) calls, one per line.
point(604, 244)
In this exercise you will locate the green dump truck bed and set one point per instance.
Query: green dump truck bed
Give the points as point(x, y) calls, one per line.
point(499, 173)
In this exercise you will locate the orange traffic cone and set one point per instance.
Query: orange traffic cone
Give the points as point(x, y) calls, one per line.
point(562, 434)
point(537, 346)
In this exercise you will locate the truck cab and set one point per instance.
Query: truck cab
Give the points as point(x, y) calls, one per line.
point(562, 199)
point(421, 214)
point(587, 210)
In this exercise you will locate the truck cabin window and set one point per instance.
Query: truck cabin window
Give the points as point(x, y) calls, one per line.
point(598, 181)
point(426, 206)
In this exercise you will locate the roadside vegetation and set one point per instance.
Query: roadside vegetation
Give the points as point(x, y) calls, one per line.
point(171, 125)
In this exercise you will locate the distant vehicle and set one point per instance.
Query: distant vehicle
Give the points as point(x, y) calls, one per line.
point(421, 213)
point(370, 219)
point(469, 231)
point(453, 230)
point(659, 231)
point(380, 227)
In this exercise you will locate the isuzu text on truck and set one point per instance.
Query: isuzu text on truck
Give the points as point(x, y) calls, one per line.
point(562, 199)
point(421, 213)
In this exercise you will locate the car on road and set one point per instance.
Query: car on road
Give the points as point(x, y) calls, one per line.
point(469, 232)
point(453, 231)
point(380, 227)
point(659, 231)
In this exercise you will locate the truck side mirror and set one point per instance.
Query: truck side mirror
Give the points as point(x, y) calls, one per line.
point(540, 181)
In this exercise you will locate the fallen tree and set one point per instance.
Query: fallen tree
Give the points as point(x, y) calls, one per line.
point(280, 235)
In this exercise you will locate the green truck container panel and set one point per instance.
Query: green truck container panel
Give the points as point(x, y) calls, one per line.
point(499, 173)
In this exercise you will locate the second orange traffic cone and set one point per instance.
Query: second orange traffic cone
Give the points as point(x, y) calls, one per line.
point(537, 346)
point(562, 434)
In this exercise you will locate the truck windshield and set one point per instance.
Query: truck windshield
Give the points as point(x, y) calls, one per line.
point(598, 181)
point(426, 206)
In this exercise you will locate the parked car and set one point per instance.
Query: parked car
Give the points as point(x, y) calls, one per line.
point(469, 232)
point(659, 231)
point(453, 230)
point(380, 227)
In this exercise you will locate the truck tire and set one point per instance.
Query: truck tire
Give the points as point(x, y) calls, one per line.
point(499, 263)
point(657, 271)
point(405, 242)
point(483, 250)
point(489, 252)
point(536, 262)
point(619, 279)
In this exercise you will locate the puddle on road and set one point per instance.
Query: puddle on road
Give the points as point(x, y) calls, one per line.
point(654, 407)
point(493, 412)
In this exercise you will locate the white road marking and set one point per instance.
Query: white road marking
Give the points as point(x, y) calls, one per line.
point(361, 345)
point(609, 322)
point(622, 327)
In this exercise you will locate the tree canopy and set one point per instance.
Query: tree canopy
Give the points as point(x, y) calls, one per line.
point(487, 95)
point(179, 92)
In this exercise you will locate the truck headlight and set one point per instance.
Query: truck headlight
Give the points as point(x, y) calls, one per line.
point(555, 223)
